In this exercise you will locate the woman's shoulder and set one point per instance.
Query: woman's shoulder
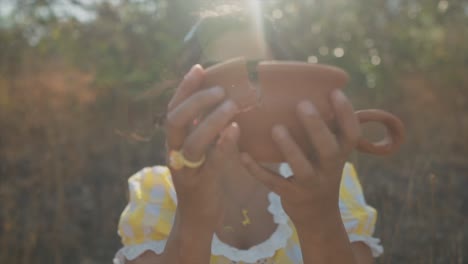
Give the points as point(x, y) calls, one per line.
point(147, 219)
point(152, 184)
point(149, 213)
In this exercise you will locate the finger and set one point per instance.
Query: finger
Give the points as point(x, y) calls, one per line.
point(179, 119)
point(296, 159)
point(190, 84)
point(226, 148)
point(274, 182)
point(350, 130)
point(319, 134)
point(229, 138)
point(198, 142)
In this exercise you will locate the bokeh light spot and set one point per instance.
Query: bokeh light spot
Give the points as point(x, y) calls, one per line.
point(375, 60)
point(277, 14)
point(443, 6)
point(371, 81)
point(338, 52)
point(312, 59)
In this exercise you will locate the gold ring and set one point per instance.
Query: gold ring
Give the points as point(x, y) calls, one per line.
point(177, 161)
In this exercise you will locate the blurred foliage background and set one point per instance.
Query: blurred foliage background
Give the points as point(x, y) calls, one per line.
point(72, 131)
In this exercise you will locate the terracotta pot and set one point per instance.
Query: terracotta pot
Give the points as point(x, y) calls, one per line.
point(273, 97)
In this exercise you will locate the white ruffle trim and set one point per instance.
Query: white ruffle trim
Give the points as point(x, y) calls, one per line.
point(132, 252)
point(276, 209)
point(372, 242)
point(267, 248)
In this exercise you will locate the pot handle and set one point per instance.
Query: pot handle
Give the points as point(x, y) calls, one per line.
point(393, 139)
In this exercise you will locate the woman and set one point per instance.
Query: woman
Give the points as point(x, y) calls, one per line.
point(214, 204)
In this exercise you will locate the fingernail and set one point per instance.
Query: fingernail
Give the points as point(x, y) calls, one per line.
point(217, 91)
point(307, 108)
point(279, 132)
point(192, 72)
point(339, 96)
point(229, 106)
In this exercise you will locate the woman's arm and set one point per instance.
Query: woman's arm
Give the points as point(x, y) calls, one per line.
point(198, 188)
point(362, 253)
point(311, 196)
point(326, 241)
point(189, 242)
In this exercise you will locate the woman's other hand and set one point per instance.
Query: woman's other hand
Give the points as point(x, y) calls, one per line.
point(198, 190)
point(312, 193)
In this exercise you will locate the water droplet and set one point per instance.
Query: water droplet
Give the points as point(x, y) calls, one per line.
point(338, 52)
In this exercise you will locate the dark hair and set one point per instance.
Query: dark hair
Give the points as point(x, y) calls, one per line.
point(207, 28)
point(210, 27)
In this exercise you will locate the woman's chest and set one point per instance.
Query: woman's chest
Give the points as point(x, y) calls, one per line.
point(268, 238)
point(246, 227)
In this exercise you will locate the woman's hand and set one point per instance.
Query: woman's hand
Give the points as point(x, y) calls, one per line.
point(312, 193)
point(311, 196)
point(198, 190)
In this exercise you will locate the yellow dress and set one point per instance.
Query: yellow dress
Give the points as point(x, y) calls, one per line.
point(146, 222)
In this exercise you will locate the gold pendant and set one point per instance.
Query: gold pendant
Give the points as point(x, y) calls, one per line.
point(246, 221)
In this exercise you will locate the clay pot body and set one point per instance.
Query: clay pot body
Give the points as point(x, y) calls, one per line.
point(273, 98)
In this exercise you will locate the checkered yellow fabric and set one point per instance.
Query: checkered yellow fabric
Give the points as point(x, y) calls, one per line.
point(146, 222)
